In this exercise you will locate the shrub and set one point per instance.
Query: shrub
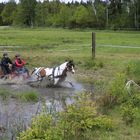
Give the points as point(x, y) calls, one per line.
point(76, 122)
point(134, 96)
point(103, 122)
point(105, 102)
point(117, 88)
point(115, 94)
point(133, 70)
point(129, 68)
point(128, 112)
point(136, 100)
point(40, 124)
point(82, 117)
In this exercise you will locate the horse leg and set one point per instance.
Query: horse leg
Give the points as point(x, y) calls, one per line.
point(71, 84)
point(40, 81)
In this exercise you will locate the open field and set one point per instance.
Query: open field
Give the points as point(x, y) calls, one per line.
point(50, 47)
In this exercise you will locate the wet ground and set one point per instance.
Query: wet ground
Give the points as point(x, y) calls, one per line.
point(16, 115)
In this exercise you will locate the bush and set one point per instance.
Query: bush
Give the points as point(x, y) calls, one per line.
point(136, 100)
point(128, 112)
point(133, 70)
point(40, 124)
point(117, 88)
point(105, 102)
point(76, 122)
point(134, 96)
point(116, 94)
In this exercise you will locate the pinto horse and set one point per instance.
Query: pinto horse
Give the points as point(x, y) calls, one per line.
point(55, 75)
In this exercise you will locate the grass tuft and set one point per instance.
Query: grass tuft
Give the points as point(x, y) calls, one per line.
point(133, 70)
point(4, 94)
point(29, 96)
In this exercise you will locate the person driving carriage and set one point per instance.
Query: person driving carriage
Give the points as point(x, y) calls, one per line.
point(6, 65)
point(20, 65)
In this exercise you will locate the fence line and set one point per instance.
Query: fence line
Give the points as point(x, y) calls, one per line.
point(83, 46)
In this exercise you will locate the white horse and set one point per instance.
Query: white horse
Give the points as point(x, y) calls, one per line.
point(54, 76)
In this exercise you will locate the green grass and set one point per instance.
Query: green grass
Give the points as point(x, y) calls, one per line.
point(122, 132)
point(68, 38)
point(50, 47)
point(29, 96)
point(4, 94)
point(133, 70)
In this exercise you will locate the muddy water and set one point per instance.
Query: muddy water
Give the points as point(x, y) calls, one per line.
point(16, 115)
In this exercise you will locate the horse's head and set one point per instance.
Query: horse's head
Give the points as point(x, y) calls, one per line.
point(70, 66)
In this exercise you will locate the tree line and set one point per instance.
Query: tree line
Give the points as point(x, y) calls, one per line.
point(111, 14)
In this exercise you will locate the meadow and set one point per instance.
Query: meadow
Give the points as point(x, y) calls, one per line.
point(50, 47)
point(115, 51)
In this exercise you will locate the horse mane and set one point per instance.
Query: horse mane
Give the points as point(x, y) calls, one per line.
point(70, 62)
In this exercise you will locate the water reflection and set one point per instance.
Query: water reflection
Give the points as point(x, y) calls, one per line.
point(16, 116)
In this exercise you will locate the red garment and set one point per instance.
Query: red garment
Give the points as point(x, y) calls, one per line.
point(19, 63)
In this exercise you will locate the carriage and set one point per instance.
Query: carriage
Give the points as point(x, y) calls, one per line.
point(15, 74)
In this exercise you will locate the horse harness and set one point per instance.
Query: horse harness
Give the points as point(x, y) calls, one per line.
point(57, 76)
point(42, 73)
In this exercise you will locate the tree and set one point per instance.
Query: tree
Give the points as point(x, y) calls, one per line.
point(115, 14)
point(25, 13)
point(53, 16)
point(7, 13)
point(83, 17)
point(65, 16)
point(136, 6)
point(101, 10)
point(2, 5)
point(41, 13)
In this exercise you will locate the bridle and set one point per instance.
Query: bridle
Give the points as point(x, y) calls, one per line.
point(70, 66)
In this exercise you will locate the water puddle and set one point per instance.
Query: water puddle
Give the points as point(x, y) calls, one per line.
point(16, 115)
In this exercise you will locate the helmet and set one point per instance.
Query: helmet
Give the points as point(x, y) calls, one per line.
point(5, 54)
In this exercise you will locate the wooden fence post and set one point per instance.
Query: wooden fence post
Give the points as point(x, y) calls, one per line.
point(93, 45)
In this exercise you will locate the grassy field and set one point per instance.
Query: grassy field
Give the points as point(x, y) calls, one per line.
point(50, 47)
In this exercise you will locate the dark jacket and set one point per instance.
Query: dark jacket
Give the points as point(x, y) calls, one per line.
point(5, 61)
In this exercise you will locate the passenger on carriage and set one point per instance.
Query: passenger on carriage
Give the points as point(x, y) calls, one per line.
point(20, 65)
point(6, 65)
